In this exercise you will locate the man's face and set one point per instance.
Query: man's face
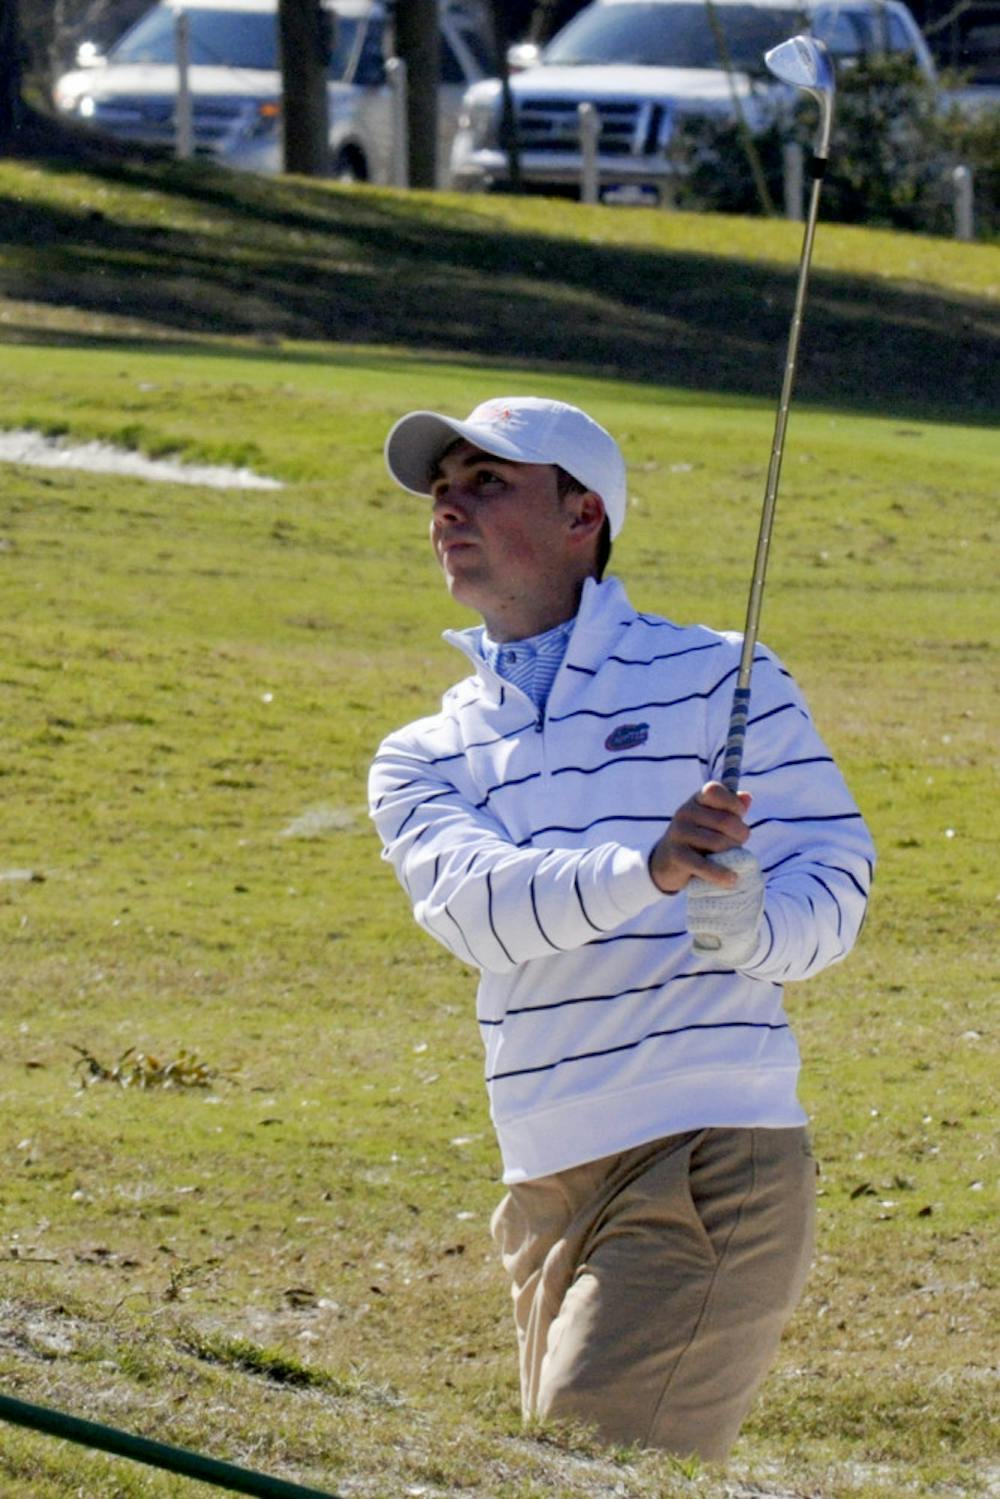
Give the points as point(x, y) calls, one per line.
point(505, 540)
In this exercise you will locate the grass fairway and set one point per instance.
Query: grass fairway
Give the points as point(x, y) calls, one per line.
point(290, 1267)
point(898, 324)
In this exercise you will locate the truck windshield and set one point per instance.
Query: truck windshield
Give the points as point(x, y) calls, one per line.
point(245, 39)
point(219, 38)
point(672, 36)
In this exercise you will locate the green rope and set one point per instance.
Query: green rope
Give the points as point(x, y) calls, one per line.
point(157, 1454)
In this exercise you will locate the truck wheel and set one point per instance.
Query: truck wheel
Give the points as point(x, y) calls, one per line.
point(349, 165)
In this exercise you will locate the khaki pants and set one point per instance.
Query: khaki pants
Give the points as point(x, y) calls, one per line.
point(651, 1288)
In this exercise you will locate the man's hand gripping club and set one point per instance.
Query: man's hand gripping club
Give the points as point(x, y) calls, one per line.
point(702, 852)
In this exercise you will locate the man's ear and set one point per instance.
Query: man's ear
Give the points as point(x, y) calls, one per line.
point(588, 515)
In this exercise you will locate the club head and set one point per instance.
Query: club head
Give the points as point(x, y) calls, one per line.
point(804, 62)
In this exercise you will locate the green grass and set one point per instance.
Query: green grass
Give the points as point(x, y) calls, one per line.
point(290, 1268)
point(897, 323)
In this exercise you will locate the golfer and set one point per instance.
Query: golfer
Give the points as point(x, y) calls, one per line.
point(552, 826)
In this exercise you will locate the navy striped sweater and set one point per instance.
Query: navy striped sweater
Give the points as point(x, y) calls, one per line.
point(522, 842)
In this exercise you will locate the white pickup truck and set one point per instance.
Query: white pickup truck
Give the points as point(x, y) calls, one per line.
point(646, 64)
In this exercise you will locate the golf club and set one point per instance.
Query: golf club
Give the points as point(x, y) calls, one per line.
point(804, 63)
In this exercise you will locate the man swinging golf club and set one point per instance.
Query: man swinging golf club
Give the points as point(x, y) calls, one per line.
point(561, 825)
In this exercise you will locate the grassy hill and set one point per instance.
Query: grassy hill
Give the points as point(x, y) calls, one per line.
point(896, 323)
point(283, 1257)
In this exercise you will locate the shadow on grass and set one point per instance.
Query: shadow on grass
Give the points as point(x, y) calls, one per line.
point(277, 259)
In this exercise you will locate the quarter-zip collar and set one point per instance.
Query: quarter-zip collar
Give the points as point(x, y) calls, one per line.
point(603, 614)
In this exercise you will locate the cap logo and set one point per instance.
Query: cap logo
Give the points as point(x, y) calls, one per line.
point(627, 736)
point(497, 413)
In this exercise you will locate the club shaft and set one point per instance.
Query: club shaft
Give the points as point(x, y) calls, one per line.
point(739, 713)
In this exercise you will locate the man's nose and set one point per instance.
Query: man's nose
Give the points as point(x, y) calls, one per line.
point(449, 501)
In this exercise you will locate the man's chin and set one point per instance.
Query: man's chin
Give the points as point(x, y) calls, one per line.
point(465, 589)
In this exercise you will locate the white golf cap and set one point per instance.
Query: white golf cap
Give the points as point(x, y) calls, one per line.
point(524, 429)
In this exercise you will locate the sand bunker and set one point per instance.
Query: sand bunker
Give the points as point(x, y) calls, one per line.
point(23, 446)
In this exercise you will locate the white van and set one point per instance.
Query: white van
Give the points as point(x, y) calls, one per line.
point(235, 81)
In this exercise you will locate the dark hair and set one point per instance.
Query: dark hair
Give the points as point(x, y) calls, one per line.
point(567, 485)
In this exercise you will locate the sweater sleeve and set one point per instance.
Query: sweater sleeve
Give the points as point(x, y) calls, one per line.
point(814, 848)
point(492, 904)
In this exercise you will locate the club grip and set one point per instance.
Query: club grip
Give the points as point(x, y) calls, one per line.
point(732, 763)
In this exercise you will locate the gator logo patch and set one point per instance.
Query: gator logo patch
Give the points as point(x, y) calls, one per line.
point(627, 736)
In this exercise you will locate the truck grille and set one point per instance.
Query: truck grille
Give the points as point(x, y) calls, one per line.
point(628, 127)
point(151, 120)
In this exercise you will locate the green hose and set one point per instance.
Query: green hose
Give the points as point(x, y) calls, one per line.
point(157, 1454)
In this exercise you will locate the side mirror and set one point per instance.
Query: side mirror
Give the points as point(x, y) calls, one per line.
point(523, 55)
point(89, 55)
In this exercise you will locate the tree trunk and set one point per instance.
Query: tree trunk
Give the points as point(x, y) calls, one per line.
point(543, 21)
point(419, 46)
point(304, 44)
point(508, 118)
point(10, 72)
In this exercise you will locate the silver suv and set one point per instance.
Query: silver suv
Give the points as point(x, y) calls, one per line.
point(235, 82)
point(645, 65)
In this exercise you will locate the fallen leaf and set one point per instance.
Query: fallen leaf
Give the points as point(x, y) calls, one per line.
point(299, 1296)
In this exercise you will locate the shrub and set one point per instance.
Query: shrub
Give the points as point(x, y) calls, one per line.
point(893, 151)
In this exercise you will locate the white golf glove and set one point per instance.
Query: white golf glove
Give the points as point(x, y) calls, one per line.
point(725, 923)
